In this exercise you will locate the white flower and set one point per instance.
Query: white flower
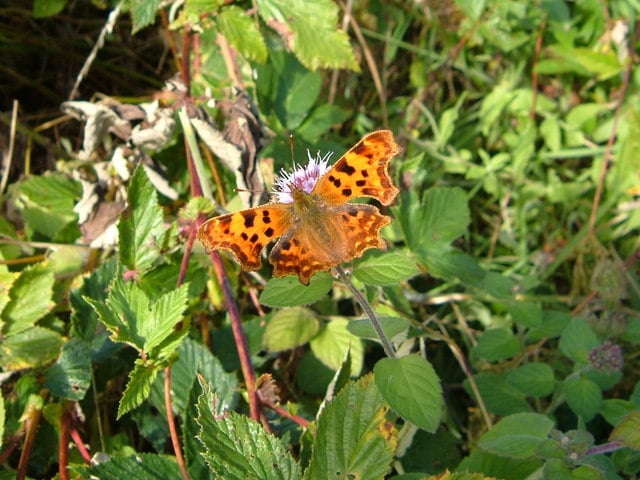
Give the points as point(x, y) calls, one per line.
point(301, 178)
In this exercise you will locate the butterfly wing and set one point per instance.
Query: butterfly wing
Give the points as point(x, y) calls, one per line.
point(346, 232)
point(246, 233)
point(362, 171)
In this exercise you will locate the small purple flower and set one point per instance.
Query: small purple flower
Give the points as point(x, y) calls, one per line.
point(301, 178)
point(607, 357)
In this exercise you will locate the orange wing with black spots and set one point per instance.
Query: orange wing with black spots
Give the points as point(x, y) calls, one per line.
point(246, 233)
point(318, 230)
point(362, 171)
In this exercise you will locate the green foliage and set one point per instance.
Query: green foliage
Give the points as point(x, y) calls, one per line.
point(495, 337)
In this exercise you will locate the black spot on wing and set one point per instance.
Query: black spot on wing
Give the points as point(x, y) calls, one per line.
point(249, 217)
point(344, 167)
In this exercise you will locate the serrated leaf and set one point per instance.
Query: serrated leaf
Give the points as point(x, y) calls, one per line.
point(242, 33)
point(309, 29)
point(412, 388)
point(497, 344)
point(385, 268)
point(533, 379)
point(30, 300)
point(141, 466)
point(353, 438)
point(577, 340)
point(583, 396)
point(289, 292)
point(290, 328)
point(141, 227)
point(628, 431)
point(517, 436)
point(70, 376)
point(7, 279)
point(163, 316)
point(333, 341)
point(143, 13)
point(237, 448)
point(138, 388)
point(133, 319)
point(29, 349)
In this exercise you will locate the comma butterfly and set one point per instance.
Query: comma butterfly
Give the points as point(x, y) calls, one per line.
point(310, 214)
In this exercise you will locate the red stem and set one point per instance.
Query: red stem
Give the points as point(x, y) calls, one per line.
point(77, 439)
point(175, 441)
point(239, 336)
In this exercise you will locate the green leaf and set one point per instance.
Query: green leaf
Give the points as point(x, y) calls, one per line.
point(162, 318)
point(320, 121)
point(141, 227)
point(333, 341)
point(289, 292)
point(527, 314)
point(237, 448)
point(309, 29)
point(499, 397)
point(353, 438)
point(133, 319)
point(613, 410)
point(391, 326)
point(385, 268)
point(143, 13)
point(287, 88)
point(533, 379)
point(138, 388)
point(7, 279)
point(141, 466)
point(553, 324)
point(29, 349)
point(47, 8)
point(30, 300)
point(412, 388)
point(290, 328)
point(628, 431)
point(242, 33)
point(70, 377)
point(583, 397)
point(47, 203)
point(497, 344)
point(472, 8)
point(441, 216)
point(517, 436)
point(577, 340)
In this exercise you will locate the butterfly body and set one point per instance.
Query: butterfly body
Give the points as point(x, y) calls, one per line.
point(319, 229)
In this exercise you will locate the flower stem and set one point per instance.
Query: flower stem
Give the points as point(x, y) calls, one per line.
point(360, 298)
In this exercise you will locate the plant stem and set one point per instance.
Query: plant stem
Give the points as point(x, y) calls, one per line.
point(361, 299)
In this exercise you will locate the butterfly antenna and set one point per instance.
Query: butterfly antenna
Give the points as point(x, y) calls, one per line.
point(292, 141)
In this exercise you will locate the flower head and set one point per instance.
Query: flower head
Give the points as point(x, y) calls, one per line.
point(606, 357)
point(301, 178)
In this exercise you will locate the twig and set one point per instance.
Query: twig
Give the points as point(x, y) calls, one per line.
point(364, 304)
point(9, 154)
point(108, 28)
point(608, 152)
point(373, 68)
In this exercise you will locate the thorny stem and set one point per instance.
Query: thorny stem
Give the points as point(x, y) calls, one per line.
point(364, 304)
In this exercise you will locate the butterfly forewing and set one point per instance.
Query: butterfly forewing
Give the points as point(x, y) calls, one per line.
point(361, 172)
